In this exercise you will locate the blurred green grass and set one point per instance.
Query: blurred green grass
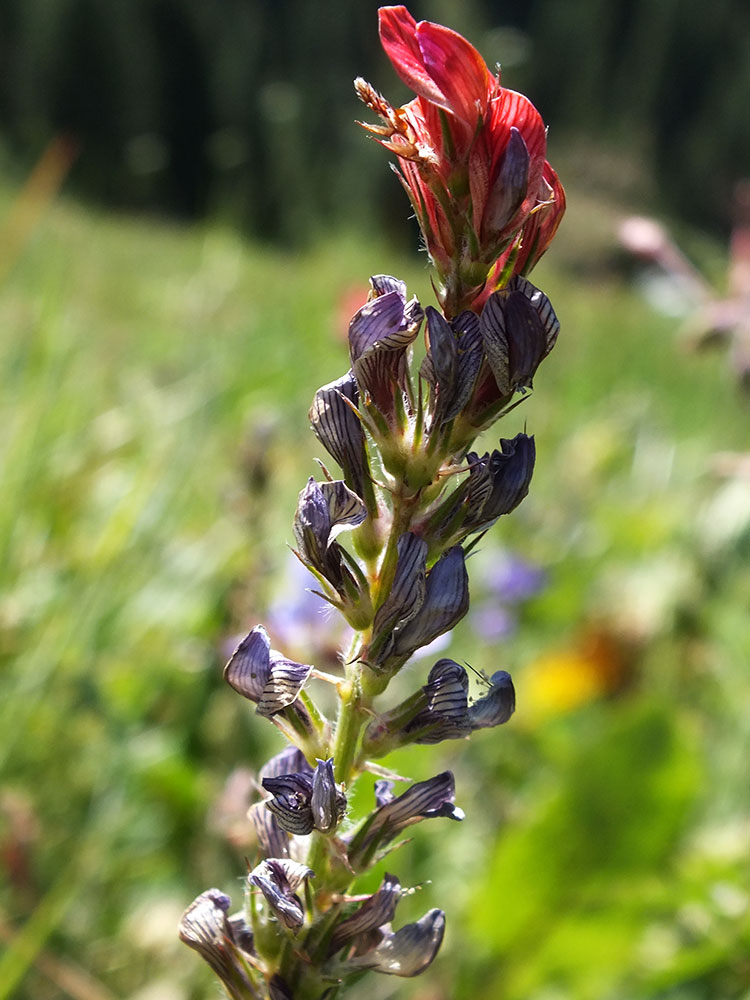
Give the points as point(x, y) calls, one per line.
point(155, 391)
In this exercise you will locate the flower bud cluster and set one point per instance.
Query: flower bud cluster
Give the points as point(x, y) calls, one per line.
point(471, 158)
point(388, 542)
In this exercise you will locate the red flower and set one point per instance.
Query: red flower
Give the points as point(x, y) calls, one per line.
point(472, 157)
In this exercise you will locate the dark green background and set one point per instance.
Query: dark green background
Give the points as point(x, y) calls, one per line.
point(236, 107)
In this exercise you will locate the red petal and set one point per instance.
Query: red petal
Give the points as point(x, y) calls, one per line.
point(435, 227)
point(541, 226)
point(398, 36)
point(456, 69)
point(553, 180)
point(550, 215)
point(479, 179)
point(511, 108)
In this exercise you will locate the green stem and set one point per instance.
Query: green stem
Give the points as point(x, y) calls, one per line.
point(317, 855)
point(349, 726)
point(319, 936)
point(288, 965)
point(404, 507)
point(318, 721)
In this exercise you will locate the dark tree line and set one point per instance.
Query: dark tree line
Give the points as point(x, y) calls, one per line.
point(241, 107)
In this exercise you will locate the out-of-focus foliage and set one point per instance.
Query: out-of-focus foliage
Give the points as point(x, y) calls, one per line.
point(154, 410)
point(187, 106)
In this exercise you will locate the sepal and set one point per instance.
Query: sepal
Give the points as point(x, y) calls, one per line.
point(519, 329)
point(379, 909)
point(263, 675)
point(423, 800)
point(306, 799)
point(497, 705)
point(339, 430)
point(323, 511)
point(279, 879)
point(408, 951)
point(404, 599)
point(221, 940)
point(379, 336)
point(446, 601)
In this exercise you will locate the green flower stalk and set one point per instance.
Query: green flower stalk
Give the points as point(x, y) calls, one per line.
point(388, 548)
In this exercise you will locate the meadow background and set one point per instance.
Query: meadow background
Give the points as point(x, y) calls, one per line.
point(188, 216)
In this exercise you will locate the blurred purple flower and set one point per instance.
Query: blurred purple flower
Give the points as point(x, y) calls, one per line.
point(494, 622)
point(297, 617)
point(509, 580)
point(298, 620)
point(513, 579)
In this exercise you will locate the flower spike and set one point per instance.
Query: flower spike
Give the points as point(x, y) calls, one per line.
point(415, 496)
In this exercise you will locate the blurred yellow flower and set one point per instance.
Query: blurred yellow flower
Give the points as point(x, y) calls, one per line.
point(596, 664)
